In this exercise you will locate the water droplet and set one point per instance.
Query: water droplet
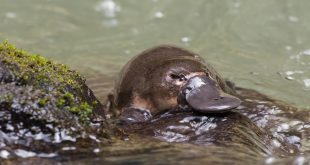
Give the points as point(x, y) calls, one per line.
point(276, 143)
point(284, 126)
point(94, 138)
point(289, 73)
point(10, 15)
point(269, 160)
point(288, 47)
point(108, 7)
point(24, 153)
point(127, 51)
point(185, 39)
point(47, 155)
point(9, 127)
point(289, 78)
point(306, 52)
point(4, 154)
point(293, 18)
point(307, 83)
point(96, 150)
point(158, 15)
point(68, 148)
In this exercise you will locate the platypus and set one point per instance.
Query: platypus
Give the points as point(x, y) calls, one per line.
point(167, 77)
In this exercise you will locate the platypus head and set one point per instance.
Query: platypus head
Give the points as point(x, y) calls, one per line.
point(167, 77)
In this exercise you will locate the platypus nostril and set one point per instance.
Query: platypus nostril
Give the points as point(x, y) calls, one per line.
point(189, 88)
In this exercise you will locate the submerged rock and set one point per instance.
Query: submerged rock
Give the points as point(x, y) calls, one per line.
point(45, 108)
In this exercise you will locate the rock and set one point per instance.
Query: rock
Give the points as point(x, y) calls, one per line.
point(45, 108)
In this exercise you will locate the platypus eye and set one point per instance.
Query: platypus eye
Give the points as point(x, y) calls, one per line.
point(174, 76)
point(180, 77)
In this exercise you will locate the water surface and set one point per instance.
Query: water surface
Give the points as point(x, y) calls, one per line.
point(261, 45)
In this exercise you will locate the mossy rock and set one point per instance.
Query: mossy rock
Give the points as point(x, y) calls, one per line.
point(44, 106)
point(68, 86)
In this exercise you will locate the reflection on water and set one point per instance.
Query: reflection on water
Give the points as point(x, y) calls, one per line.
point(259, 45)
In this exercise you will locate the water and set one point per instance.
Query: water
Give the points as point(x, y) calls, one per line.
point(253, 43)
point(261, 45)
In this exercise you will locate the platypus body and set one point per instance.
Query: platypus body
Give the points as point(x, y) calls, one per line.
point(167, 77)
point(172, 94)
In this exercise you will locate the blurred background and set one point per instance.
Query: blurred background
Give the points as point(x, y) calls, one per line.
point(261, 45)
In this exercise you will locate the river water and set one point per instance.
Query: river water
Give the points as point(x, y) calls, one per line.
point(261, 45)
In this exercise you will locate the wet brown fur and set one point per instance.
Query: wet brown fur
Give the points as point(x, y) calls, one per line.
point(141, 81)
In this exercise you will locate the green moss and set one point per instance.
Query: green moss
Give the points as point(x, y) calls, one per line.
point(66, 99)
point(95, 103)
point(69, 98)
point(42, 102)
point(84, 110)
point(8, 97)
point(60, 102)
point(64, 84)
point(41, 69)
